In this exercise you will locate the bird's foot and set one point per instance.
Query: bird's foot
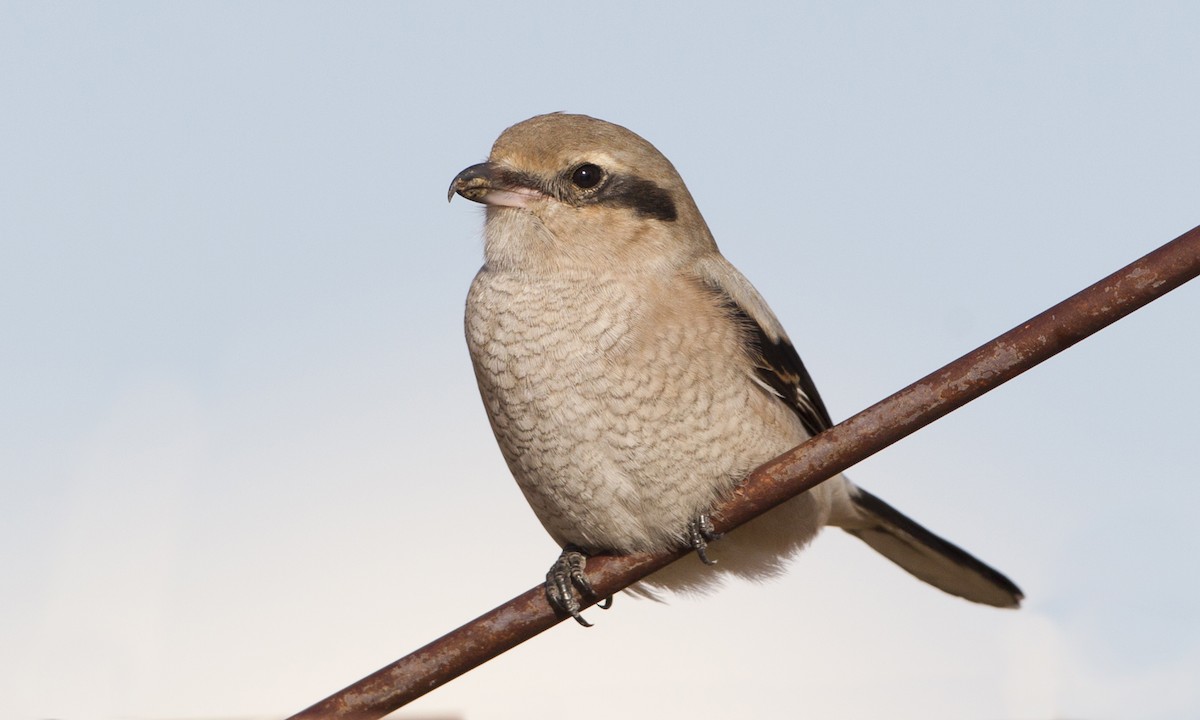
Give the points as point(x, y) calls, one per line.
point(566, 574)
point(700, 531)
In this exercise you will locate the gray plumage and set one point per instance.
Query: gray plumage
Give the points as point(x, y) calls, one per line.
point(633, 376)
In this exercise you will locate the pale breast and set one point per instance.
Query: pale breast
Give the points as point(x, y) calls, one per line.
point(622, 412)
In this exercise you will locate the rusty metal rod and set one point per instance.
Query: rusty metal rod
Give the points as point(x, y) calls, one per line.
point(799, 469)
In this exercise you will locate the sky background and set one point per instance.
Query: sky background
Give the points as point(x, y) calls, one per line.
point(242, 458)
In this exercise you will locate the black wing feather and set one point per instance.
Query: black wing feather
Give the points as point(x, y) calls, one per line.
point(778, 365)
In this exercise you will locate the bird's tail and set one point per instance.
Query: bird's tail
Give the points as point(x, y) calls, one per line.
point(927, 556)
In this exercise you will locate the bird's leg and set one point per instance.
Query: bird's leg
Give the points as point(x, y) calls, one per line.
point(700, 532)
point(566, 574)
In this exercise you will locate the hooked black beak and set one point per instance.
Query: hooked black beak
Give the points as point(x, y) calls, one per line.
point(490, 184)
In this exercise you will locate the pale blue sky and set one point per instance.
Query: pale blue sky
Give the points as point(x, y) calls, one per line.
point(242, 459)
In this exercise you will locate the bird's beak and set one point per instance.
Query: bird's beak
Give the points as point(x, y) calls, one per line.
point(490, 184)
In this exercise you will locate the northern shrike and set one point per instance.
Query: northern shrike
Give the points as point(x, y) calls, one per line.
point(633, 376)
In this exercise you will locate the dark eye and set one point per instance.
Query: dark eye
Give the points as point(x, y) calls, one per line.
point(587, 176)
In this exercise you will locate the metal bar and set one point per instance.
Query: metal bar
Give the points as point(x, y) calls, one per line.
point(790, 474)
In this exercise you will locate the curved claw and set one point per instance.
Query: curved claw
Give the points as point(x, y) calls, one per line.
point(565, 575)
point(700, 532)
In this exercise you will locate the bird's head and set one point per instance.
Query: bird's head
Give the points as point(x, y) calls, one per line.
point(572, 191)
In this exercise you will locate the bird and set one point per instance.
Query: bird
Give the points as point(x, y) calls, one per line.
point(633, 376)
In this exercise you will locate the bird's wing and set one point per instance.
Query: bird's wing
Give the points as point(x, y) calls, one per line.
point(898, 537)
point(776, 362)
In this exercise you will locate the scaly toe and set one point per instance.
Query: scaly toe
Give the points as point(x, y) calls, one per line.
point(700, 532)
point(565, 575)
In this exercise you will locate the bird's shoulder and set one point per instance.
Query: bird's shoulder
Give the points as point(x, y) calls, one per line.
point(777, 365)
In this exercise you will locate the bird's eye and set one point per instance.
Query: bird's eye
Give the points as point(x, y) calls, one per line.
point(587, 176)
